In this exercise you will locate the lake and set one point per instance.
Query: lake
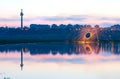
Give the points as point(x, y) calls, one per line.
point(60, 61)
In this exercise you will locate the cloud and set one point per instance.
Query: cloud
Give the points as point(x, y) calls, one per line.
point(109, 21)
point(106, 24)
point(110, 18)
point(79, 19)
point(64, 18)
point(48, 18)
point(9, 19)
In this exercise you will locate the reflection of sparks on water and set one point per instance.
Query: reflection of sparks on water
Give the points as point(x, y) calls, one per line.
point(89, 34)
point(90, 48)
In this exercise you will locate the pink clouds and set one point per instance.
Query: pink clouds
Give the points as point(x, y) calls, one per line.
point(61, 19)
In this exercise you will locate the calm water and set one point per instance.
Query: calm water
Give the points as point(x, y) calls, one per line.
point(60, 61)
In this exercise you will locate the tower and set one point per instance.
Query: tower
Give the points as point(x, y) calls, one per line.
point(21, 14)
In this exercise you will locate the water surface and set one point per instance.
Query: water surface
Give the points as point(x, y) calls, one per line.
point(60, 61)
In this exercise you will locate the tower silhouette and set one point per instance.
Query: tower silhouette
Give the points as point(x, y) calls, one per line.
point(21, 14)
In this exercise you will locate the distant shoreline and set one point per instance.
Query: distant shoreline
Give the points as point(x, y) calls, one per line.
point(61, 33)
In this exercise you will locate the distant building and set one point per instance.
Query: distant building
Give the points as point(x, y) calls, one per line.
point(39, 26)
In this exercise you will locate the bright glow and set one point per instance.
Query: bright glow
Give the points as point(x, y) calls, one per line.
point(93, 34)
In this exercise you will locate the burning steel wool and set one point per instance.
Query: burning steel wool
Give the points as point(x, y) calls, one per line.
point(89, 34)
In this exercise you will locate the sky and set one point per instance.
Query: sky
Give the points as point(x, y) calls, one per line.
point(102, 12)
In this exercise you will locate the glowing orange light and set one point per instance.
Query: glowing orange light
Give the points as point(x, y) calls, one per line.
point(89, 34)
point(88, 49)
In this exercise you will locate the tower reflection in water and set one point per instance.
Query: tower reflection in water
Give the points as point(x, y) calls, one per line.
point(61, 49)
point(21, 64)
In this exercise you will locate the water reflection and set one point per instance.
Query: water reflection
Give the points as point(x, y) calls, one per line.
point(21, 64)
point(58, 53)
point(63, 48)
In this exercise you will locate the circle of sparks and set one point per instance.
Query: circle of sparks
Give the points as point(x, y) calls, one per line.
point(89, 34)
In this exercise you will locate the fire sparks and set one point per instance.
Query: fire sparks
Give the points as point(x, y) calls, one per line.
point(89, 34)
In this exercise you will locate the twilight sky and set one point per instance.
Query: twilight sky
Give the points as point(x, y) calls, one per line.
point(102, 12)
